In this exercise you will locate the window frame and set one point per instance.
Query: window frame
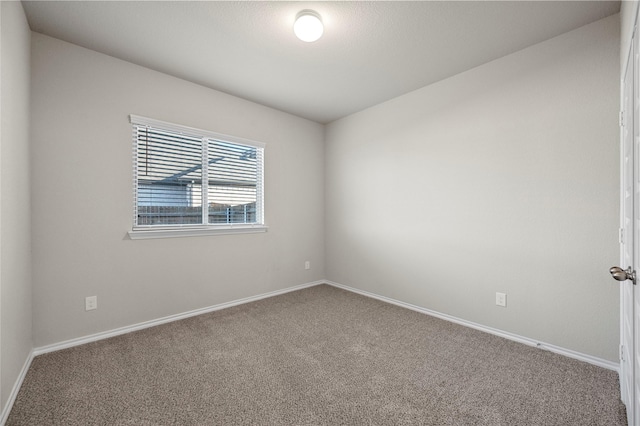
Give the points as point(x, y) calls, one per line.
point(193, 230)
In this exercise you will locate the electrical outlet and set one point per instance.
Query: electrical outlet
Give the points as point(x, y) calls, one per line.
point(90, 303)
point(307, 265)
point(501, 299)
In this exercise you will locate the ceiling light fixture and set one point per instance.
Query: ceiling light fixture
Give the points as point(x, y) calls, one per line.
point(308, 26)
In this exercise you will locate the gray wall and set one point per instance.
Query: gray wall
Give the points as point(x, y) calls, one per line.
point(82, 198)
point(628, 11)
point(500, 179)
point(15, 216)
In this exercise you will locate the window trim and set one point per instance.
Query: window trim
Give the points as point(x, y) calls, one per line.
point(195, 231)
point(189, 230)
point(137, 120)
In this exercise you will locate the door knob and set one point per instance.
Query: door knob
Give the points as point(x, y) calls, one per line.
point(620, 274)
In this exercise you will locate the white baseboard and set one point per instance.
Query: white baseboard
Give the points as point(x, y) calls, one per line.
point(152, 323)
point(525, 340)
point(16, 387)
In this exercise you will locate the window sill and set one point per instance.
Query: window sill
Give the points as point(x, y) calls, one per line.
point(144, 234)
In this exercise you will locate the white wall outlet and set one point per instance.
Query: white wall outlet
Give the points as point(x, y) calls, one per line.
point(90, 303)
point(307, 265)
point(501, 299)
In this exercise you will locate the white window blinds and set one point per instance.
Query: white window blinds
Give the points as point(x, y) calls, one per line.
point(187, 177)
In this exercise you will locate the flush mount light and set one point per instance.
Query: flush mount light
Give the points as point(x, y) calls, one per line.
point(308, 26)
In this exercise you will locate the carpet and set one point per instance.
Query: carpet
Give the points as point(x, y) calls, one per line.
point(317, 356)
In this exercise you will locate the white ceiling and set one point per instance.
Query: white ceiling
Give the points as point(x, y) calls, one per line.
point(370, 51)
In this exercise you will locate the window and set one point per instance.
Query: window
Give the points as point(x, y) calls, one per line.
point(191, 182)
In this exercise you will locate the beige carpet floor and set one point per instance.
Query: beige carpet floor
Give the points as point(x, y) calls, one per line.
point(318, 356)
